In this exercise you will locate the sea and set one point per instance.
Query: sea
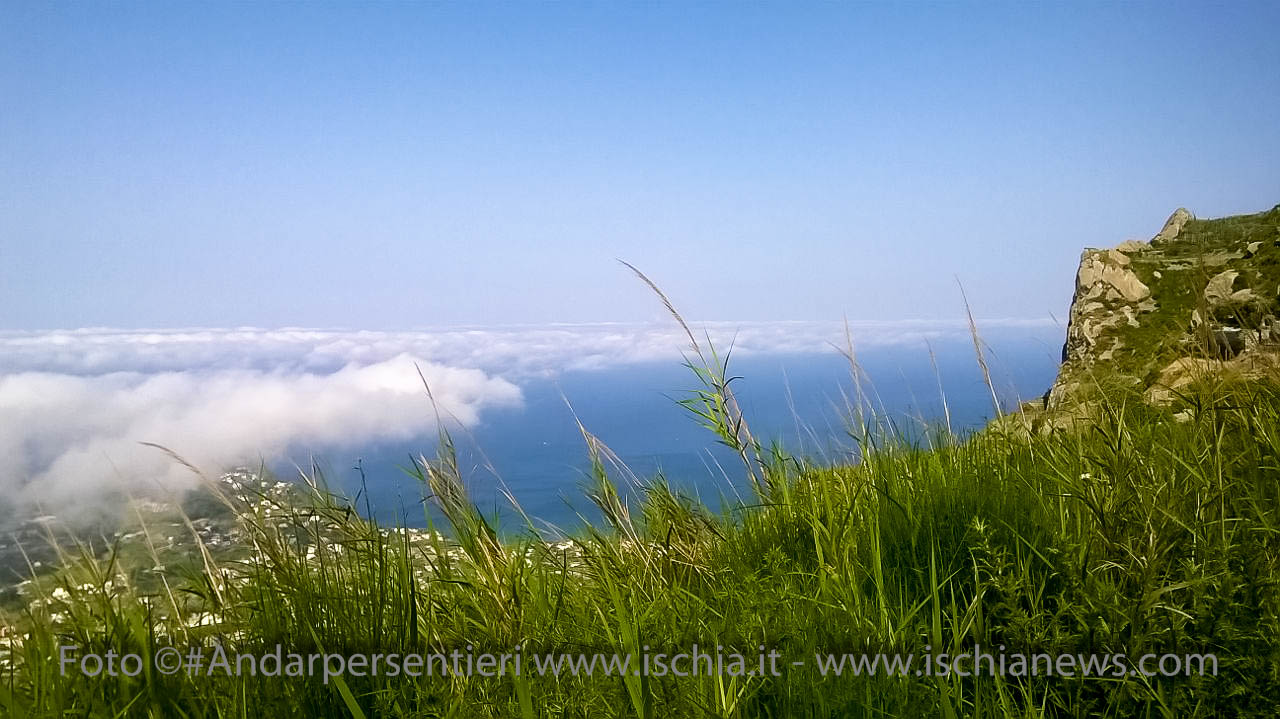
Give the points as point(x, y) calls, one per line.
point(804, 402)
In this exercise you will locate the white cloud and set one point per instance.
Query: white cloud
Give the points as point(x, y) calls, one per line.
point(504, 350)
point(64, 437)
point(74, 404)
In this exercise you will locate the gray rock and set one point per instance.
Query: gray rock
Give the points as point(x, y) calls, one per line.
point(1090, 272)
point(1104, 272)
point(1126, 283)
point(1240, 297)
point(1218, 259)
point(1117, 257)
point(1218, 290)
point(1173, 226)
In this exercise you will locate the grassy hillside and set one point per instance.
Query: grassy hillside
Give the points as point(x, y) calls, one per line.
point(1149, 529)
point(1140, 534)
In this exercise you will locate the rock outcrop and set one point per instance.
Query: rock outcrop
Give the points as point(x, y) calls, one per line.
point(1173, 226)
point(1108, 294)
point(1202, 296)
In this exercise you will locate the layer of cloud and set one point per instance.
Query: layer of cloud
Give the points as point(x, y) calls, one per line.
point(76, 404)
point(509, 351)
point(64, 437)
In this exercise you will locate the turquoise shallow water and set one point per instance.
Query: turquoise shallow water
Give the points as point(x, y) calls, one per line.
point(797, 400)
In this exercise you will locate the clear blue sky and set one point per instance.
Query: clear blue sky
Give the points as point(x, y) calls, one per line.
point(404, 165)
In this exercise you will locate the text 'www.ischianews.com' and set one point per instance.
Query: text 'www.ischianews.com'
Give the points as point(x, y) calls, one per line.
point(215, 661)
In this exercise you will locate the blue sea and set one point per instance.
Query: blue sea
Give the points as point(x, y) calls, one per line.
point(798, 400)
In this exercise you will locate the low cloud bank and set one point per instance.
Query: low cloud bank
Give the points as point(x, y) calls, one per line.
point(66, 438)
point(508, 351)
point(76, 404)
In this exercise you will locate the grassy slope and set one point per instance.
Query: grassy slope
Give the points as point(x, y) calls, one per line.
point(1139, 534)
point(1136, 533)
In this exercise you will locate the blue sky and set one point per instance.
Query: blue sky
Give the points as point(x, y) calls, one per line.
point(400, 165)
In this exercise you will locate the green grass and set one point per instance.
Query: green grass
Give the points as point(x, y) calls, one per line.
point(1137, 532)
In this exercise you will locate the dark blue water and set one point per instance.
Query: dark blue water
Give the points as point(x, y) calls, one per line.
point(797, 400)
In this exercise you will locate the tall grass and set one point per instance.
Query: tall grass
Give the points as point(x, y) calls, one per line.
point(1146, 530)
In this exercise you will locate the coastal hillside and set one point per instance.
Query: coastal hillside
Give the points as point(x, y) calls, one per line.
point(1125, 565)
point(591, 360)
point(1200, 298)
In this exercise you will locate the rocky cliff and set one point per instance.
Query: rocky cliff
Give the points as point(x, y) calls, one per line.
point(1201, 296)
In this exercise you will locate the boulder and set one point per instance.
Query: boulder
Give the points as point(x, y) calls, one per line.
point(1126, 283)
point(1090, 271)
point(1118, 257)
point(1218, 290)
point(1105, 272)
point(1173, 226)
point(1185, 370)
point(1245, 296)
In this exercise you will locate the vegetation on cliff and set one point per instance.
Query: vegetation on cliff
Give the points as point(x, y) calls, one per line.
point(1201, 290)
